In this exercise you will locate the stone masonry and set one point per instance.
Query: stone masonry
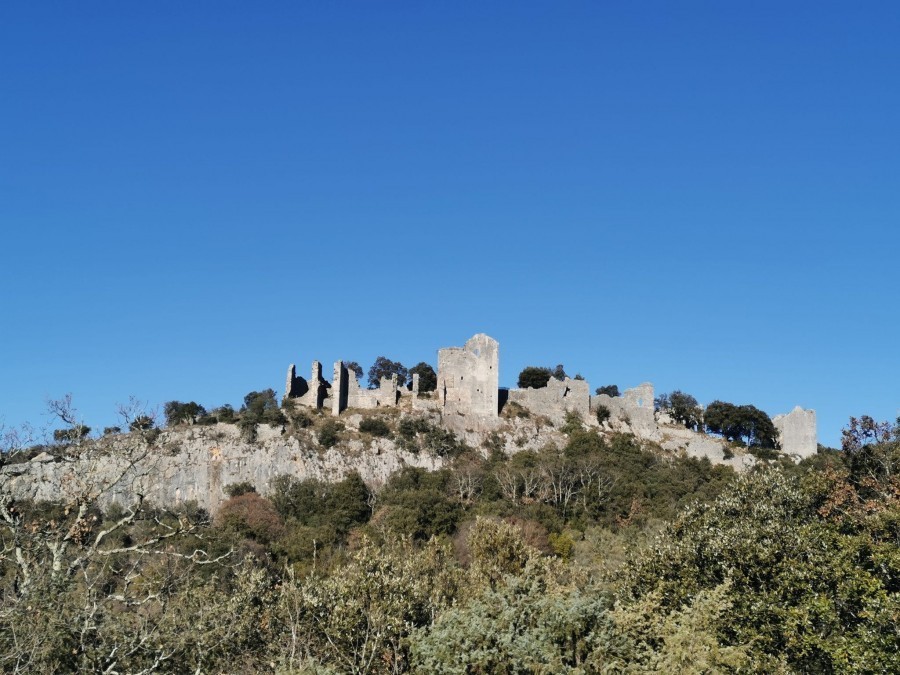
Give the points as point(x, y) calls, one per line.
point(469, 399)
point(797, 431)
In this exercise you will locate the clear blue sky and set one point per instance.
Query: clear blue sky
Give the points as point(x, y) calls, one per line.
point(703, 195)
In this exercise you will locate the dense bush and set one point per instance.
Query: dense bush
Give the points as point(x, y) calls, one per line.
point(177, 412)
point(374, 426)
point(608, 390)
point(535, 377)
point(72, 434)
point(329, 433)
point(556, 560)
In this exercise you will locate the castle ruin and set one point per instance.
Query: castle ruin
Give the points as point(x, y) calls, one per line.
point(469, 398)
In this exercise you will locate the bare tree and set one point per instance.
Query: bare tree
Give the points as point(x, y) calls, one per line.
point(86, 589)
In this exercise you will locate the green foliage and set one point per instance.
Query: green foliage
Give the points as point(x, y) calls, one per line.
point(559, 372)
point(71, 435)
point(261, 407)
point(177, 412)
point(107, 431)
point(384, 367)
point(805, 583)
point(535, 377)
point(238, 489)
point(418, 435)
point(427, 376)
point(224, 414)
point(609, 390)
point(745, 423)
point(682, 407)
point(330, 433)
point(559, 564)
point(374, 426)
point(603, 414)
point(361, 619)
point(573, 423)
point(415, 503)
point(142, 423)
point(526, 614)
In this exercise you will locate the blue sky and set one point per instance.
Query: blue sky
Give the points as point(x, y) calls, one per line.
point(705, 195)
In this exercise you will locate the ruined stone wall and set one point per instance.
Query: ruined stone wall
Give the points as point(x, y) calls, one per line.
point(317, 387)
point(469, 378)
point(294, 387)
point(556, 399)
point(634, 407)
point(388, 394)
point(797, 432)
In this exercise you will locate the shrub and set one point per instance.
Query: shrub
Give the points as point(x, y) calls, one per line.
point(611, 390)
point(329, 433)
point(177, 412)
point(252, 517)
point(300, 420)
point(603, 414)
point(238, 489)
point(535, 377)
point(141, 423)
point(76, 433)
point(224, 414)
point(374, 426)
point(111, 430)
point(573, 423)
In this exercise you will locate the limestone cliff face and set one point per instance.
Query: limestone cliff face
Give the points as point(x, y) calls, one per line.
point(197, 464)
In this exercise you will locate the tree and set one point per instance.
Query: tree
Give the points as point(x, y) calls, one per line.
point(384, 367)
point(261, 407)
point(93, 589)
point(177, 412)
point(611, 390)
point(681, 407)
point(559, 373)
point(427, 376)
point(744, 423)
point(535, 377)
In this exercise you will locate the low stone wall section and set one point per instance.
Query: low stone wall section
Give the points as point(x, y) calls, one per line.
point(556, 399)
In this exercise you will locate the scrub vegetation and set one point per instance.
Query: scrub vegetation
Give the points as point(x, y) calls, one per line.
point(603, 556)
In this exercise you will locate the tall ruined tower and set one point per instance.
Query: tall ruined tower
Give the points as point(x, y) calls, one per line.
point(469, 377)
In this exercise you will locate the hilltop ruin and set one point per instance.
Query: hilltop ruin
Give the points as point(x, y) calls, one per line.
point(470, 401)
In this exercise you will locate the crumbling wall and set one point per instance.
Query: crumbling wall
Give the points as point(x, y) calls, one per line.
point(339, 388)
point(469, 378)
point(317, 388)
point(387, 394)
point(294, 387)
point(797, 432)
point(634, 408)
point(556, 399)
